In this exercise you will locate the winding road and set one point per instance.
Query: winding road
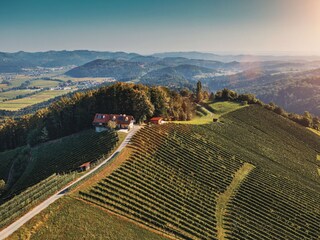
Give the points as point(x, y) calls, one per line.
point(6, 232)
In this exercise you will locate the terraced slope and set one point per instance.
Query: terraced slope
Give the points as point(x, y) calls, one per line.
point(177, 175)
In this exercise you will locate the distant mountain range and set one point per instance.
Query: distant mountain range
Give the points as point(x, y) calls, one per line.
point(231, 57)
point(290, 81)
point(150, 70)
point(14, 62)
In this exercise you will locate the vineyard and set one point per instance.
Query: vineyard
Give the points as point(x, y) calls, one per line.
point(64, 155)
point(269, 140)
point(180, 178)
point(272, 207)
point(170, 182)
point(7, 159)
point(29, 198)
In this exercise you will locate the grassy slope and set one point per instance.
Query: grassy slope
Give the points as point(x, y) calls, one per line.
point(216, 109)
point(225, 197)
point(70, 218)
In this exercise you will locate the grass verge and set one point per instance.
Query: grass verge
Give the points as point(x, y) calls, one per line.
point(70, 218)
point(224, 197)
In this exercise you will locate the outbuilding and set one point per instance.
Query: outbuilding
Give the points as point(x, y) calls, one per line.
point(85, 166)
point(156, 120)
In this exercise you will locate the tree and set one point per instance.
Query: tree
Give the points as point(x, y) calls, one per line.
point(112, 124)
point(2, 185)
point(306, 119)
point(199, 94)
point(280, 111)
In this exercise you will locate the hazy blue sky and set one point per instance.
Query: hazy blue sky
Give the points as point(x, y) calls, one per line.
point(146, 26)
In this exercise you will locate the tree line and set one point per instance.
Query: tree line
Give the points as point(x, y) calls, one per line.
point(75, 113)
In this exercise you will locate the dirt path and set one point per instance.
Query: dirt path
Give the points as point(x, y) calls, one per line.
point(224, 197)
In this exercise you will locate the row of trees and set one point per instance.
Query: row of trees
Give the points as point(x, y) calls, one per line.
point(75, 113)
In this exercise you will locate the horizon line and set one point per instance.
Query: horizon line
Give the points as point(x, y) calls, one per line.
point(218, 52)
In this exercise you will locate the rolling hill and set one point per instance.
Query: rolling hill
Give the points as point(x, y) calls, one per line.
point(118, 69)
point(252, 175)
point(15, 62)
point(23, 167)
point(296, 91)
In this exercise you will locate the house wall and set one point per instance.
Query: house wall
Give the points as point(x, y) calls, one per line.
point(100, 129)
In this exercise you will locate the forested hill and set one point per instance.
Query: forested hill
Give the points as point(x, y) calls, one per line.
point(75, 113)
point(15, 62)
point(118, 69)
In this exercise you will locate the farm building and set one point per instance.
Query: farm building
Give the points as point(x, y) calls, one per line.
point(156, 120)
point(121, 121)
point(84, 167)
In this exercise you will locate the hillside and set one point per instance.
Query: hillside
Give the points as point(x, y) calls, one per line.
point(23, 167)
point(295, 88)
point(15, 62)
point(118, 69)
point(232, 57)
point(252, 175)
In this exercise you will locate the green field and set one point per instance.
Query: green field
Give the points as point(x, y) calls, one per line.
point(44, 83)
point(70, 218)
point(15, 93)
point(222, 108)
point(13, 105)
point(17, 81)
point(215, 110)
point(66, 78)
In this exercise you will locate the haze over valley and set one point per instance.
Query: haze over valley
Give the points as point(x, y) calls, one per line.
point(156, 120)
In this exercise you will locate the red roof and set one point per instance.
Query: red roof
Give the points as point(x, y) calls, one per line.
point(86, 164)
point(118, 118)
point(156, 119)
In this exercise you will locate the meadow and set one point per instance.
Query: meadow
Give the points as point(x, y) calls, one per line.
point(14, 93)
point(206, 112)
point(16, 104)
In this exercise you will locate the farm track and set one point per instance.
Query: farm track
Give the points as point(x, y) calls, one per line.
point(224, 197)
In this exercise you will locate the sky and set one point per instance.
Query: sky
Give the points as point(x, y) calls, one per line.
point(146, 26)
